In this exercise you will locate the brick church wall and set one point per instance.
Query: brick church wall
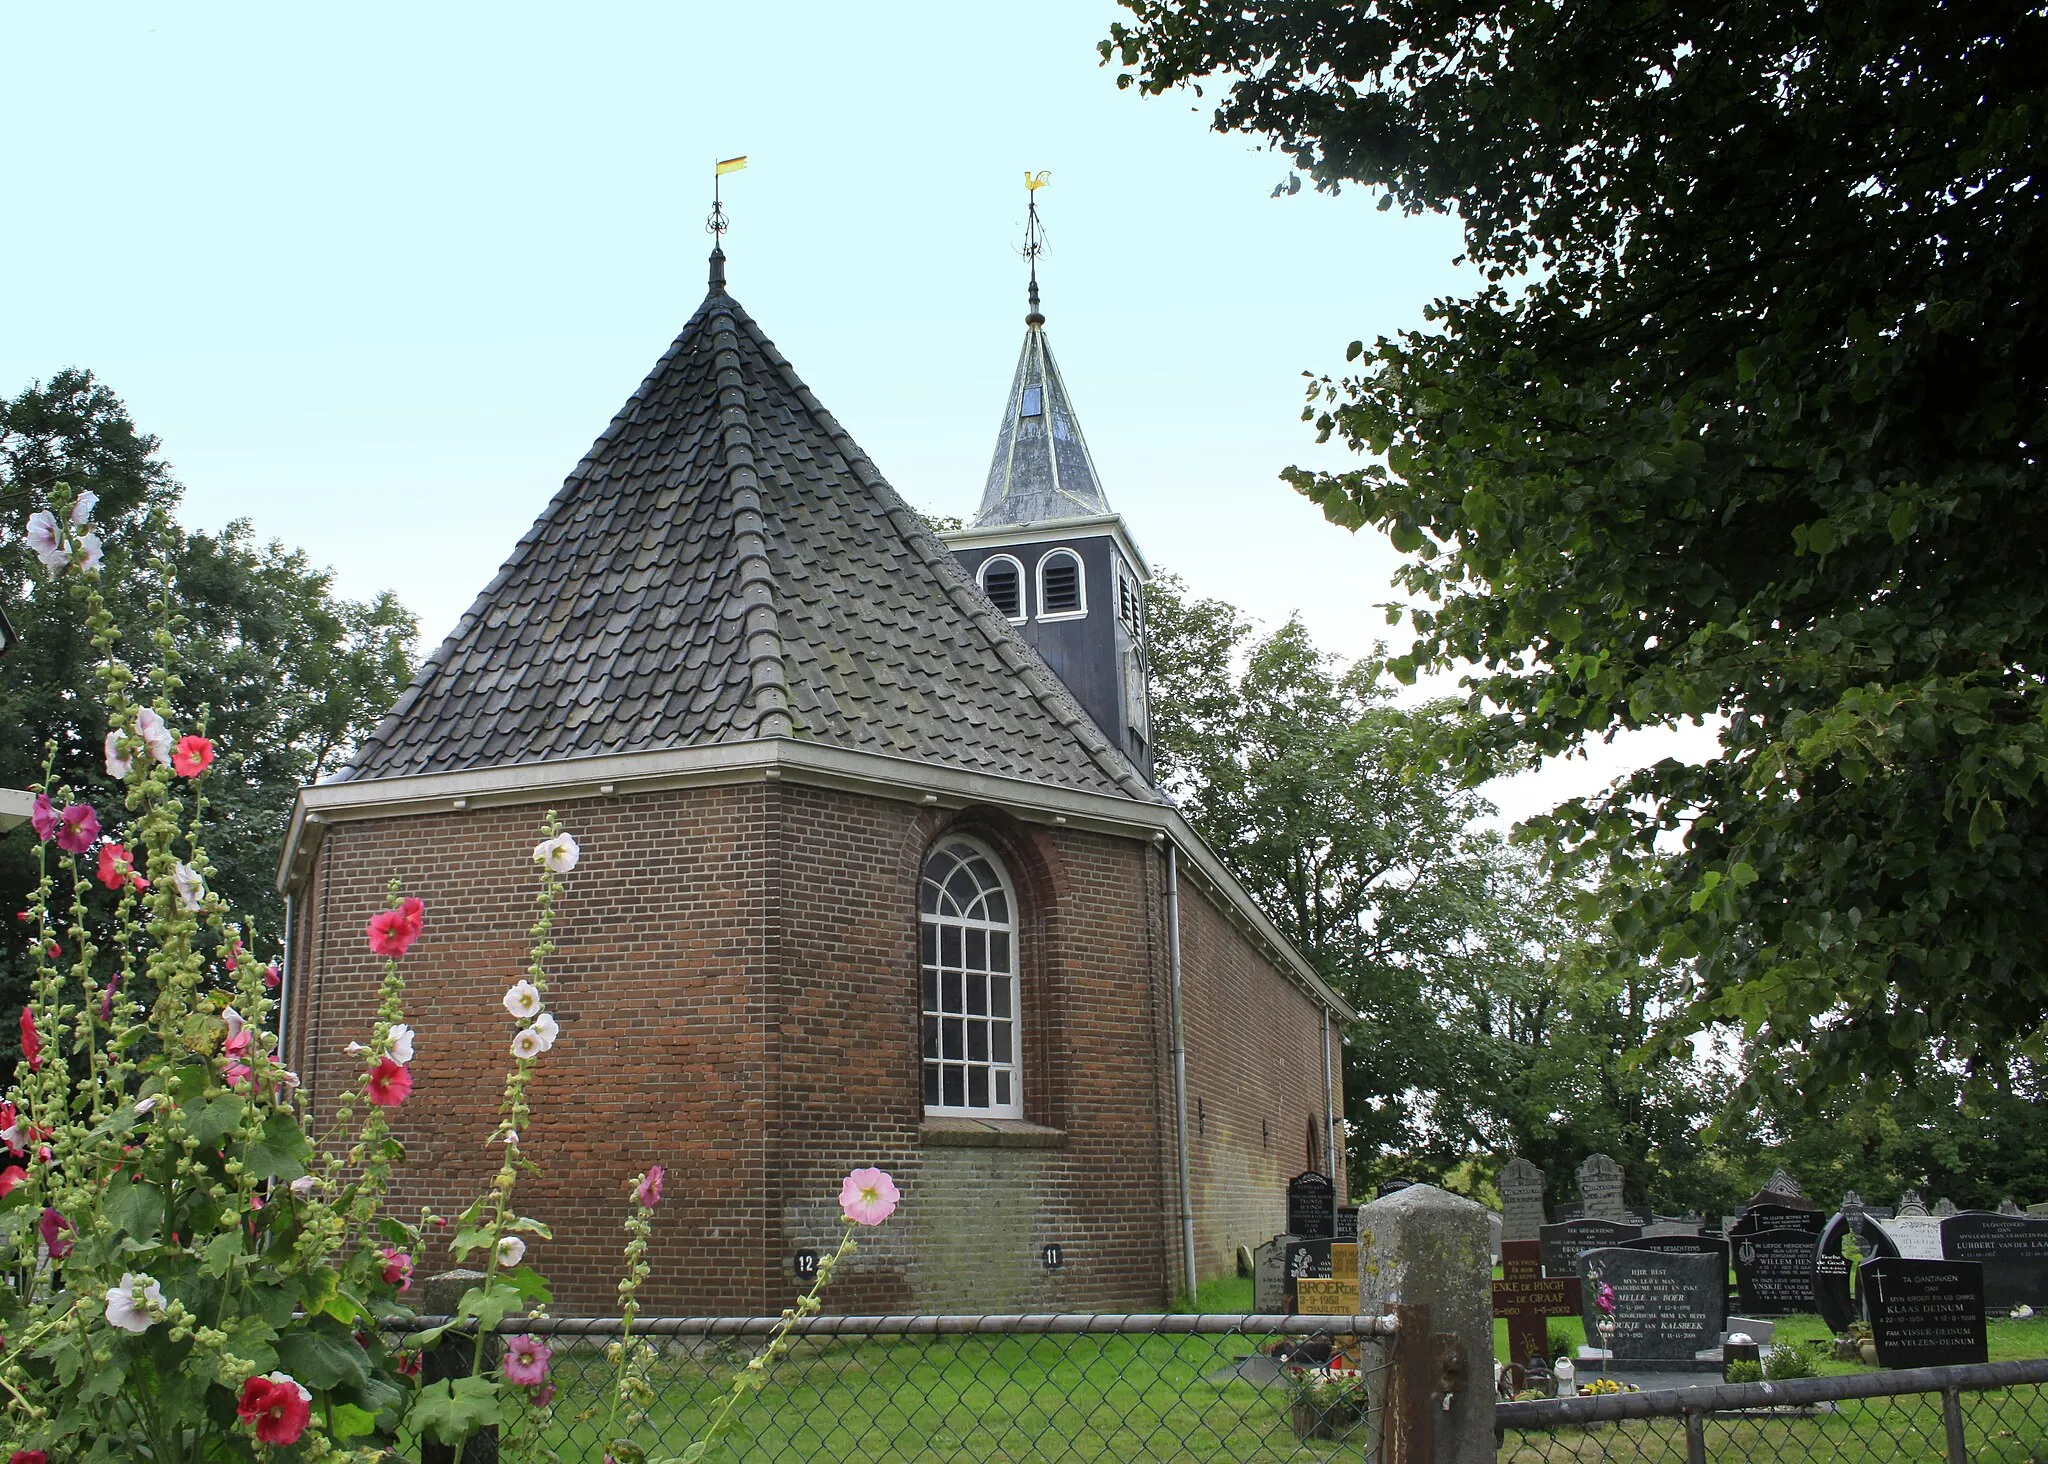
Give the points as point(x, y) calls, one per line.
point(737, 987)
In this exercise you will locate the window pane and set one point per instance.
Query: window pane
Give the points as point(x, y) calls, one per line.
point(929, 898)
point(931, 1036)
point(999, 996)
point(931, 1082)
point(956, 1089)
point(963, 887)
point(977, 995)
point(950, 984)
point(949, 946)
point(977, 1041)
point(1034, 402)
point(977, 950)
point(999, 950)
point(1003, 1090)
point(997, 907)
point(956, 1038)
point(929, 945)
point(977, 1087)
point(1001, 1034)
point(931, 989)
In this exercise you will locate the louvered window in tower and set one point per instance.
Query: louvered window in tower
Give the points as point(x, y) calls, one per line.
point(1061, 590)
point(1002, 580)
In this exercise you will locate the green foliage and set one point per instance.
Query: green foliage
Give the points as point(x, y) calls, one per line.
point(1743, 1370)
point(289, 675)
point(1788, 1360)
point(1741, 422)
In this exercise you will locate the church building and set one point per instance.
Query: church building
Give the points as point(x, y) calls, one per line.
point(874, 872)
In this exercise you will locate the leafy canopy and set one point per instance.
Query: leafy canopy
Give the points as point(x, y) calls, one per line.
point(1742, 422)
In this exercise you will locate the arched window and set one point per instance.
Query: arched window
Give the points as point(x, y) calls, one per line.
point(969, 944)
point(1002, 580)
point(1062, 586)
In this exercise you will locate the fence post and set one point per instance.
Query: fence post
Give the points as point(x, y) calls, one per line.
point(1695, 1436)
point(1423, 1253)
point(451, 1358)
point(1952, 1423)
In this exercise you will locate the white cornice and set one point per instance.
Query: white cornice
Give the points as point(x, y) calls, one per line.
point(1003, 535)
point(792, 760)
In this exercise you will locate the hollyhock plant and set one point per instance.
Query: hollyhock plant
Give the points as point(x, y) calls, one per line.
point(117, 868)
point(56, 1232)
point(526, 1361)
point(392, 932)
point(192, 756)
point(43, 816)
point(78, 828)
point(277, 1407)
point(647, 1192)
point(868, 1197)
point(390, 1083)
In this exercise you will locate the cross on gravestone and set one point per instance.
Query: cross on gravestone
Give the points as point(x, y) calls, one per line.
point(1600, 1189)
point(1926, 1313)
point(1529, 1299)
point(1311, 1206)
point(1521, 1200)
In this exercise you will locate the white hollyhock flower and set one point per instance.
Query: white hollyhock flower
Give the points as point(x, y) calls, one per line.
point(511, 1250)
point(287, 1380)
point(154, 734)
point(190, 886)
point(547, 1029)
point(135, 1305)
point(147, 1103)
point(235, 1022)
point(93, 553)
point(303, 1186)
point(557, 855)
point(82, 507)
point(118, 761)
point(523, 1000)
point(401, 1043)
point(527, 1043)
point(355, 1049)
point(47, 539)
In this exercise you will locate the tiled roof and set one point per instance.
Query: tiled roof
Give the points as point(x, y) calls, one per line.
point(1041, 472)
point(726, 564)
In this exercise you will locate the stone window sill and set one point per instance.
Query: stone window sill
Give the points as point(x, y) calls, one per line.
point(992, 1133)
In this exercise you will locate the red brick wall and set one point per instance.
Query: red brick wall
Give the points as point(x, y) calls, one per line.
point(737, 988)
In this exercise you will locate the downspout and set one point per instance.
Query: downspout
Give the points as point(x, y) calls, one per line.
point(1180, 1070)
point(1329, 1117)
point(284, 988)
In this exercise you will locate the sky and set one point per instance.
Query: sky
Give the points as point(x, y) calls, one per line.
point(377, 275)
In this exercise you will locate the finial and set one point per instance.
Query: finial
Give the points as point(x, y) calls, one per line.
point(717, 270)
point(716, 225)
point(1034, 239)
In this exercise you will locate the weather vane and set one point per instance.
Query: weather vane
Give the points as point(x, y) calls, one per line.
point(1034, 236)
point(716, 225)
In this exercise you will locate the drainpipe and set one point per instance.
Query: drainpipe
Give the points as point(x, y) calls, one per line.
point(284, 988)
point(1180, 1069)
point(1329, 1117)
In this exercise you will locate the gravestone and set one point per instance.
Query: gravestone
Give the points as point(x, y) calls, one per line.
point(2008, 1206)
point(1672, 1225)
point(1641, 1215)
point(1600, 1189)
point(1347, 1225)
point(2039, 1212)
point(1774, 1271)
point(1918, 1237)
point(1564, 1242)
point(1759, 1218)
point(1305, 1260)
point(1392, 1187)
point(1529, 1299)
point(1782, 1190)
point(1572, 1211)
point(1683, 1245)
point(1667, 1308)
point(1311, 1206)
point(1926, 1313)
point(1837, 1294)
point(1325, 1296)
point(1269, 1276)
point(1344, 1262)
point(2013, 1250)
point(1521, 1200)
point(1910, 1204)
point(1943, 1208)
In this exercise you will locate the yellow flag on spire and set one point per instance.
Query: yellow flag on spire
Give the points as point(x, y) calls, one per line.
point(731, 165)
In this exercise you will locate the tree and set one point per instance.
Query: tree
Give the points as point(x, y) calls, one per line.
point(289, 675)
point(1742, 422)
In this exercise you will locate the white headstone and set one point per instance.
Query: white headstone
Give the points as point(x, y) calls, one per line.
point(1918, 1237)
point(1600, 1189)
point(1943, 1208)
point(1521, 1200)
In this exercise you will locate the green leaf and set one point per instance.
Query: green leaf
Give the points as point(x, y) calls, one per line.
point(281, 1151)
point(323, 1355)
point(221, 1252)
point(451, 1410)
point(213, 1120)
point(488, 1308)
point(134, 1210)
point(346, 1421)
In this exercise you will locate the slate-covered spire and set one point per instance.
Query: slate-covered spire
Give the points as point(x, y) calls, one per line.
point(1042, 472)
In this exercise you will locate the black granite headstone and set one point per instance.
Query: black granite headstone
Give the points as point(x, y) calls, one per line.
point(1392, 1187)
point(1684, 1245)
point(1311, 1206)
point(1564, 1242)
point(1774, 1272)
point(2013, 1250)
point(1667, 1307)
point(1836, 1293)
point(1926, 1313)
point(1347, 1225)
point(1305, 1260)
point(1758, 1218)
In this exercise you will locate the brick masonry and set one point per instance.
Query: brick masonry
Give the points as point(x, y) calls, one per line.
point(737, 988)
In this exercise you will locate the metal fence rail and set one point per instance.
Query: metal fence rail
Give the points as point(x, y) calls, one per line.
point(1988, 1412)
point(1068, 1388)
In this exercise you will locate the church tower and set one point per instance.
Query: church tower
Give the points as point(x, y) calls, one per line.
point(1050, 553)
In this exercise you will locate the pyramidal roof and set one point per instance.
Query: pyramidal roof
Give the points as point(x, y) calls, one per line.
point(725, 564)
point(1042, 471)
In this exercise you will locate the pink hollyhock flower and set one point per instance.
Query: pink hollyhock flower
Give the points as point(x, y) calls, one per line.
point(390, 1082)
point(526, 1361)
point(118, 761)
point(154, 734)
point(235, 1022)
point(237, 1074)
point(11, 1178)
point(117, 867)
point(31, 1041)
point(192, 756)
point(10, 1126)
point(114, 985)
point(397, 1268)
point(392, 932)
point(44, 816)
point(868, 1197)
point(57, 1233)
point(77, 829)
point(542, 1396)
point(47, 540)
point(648, 1192)
point(272, 977)
point(407, 1364)
point(277, 1407)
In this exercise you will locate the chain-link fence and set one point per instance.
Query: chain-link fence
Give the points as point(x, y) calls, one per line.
point(1994, 1413)
point(1073, 1389)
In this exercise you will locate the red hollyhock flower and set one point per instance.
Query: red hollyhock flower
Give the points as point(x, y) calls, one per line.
point(389, 1083)
point(276, 1407)
point(10, 1177)
point(117, 867)
point(57, 1232)
point(392, 932)
point(77, 827)
point(28, 1456)
point(192, 756)
point(31, 1041)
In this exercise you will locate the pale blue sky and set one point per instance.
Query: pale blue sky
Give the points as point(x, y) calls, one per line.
point(378, 274)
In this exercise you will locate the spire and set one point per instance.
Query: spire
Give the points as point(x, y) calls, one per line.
point(1042, 471)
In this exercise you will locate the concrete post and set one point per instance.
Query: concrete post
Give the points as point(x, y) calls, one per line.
point(1423, 1253)
point(451, 1358)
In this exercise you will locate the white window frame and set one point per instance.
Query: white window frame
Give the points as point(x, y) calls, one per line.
point(1023, 585)
point(1080, 581)
point(1011, 928)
